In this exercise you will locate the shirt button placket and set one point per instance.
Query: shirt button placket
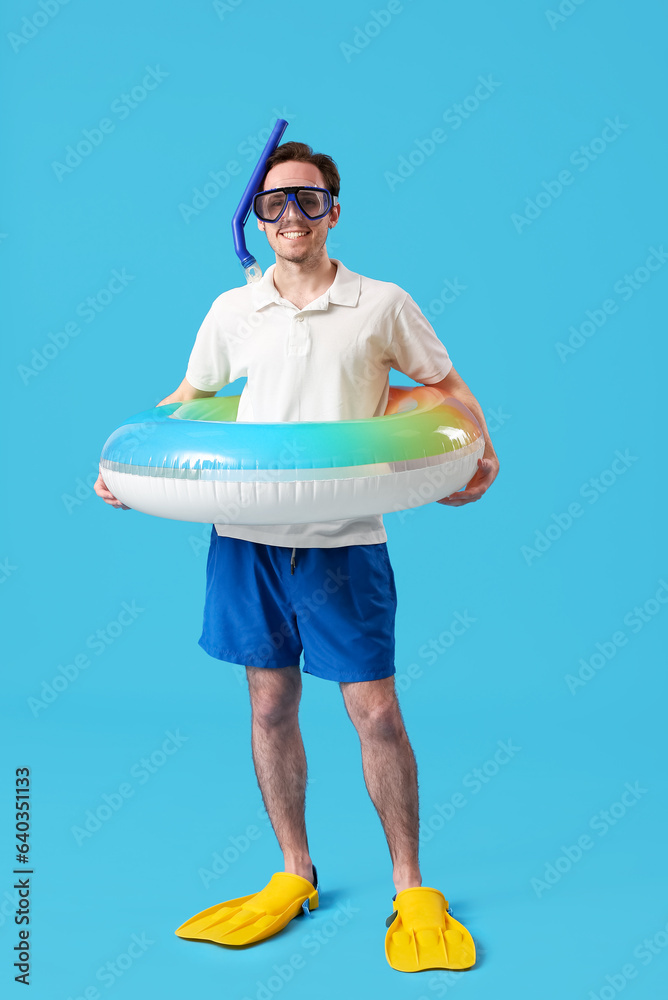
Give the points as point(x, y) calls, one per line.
point(298, 338)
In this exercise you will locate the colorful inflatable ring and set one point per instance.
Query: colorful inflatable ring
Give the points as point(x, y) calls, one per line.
point(193, 462)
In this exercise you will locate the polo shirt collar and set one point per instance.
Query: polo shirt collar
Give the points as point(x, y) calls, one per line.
point(344, 290)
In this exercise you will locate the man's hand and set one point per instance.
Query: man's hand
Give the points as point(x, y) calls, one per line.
point(483, 477)
point(102, 491)
point(184, 393)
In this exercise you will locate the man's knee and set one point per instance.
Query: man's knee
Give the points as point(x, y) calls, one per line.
point(379, 719)
point(274, 694)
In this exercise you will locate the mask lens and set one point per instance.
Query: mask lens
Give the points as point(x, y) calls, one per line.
point(314, 202)
point(269, 206)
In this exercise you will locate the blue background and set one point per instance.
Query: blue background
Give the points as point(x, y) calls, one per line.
point(367, 97)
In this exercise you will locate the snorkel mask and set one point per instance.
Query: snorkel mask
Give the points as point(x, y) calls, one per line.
point(313, 202)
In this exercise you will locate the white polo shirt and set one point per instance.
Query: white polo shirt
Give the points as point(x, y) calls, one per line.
point(327, 361)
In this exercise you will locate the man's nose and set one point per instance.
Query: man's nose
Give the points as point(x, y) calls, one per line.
point(292, 210)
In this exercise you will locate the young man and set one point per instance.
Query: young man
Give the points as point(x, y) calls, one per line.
point(316, 342)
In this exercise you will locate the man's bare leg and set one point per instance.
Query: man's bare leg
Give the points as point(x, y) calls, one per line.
point(390, 771)
point(279, 759)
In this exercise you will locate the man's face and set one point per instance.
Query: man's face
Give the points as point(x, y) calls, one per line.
point(312, 236)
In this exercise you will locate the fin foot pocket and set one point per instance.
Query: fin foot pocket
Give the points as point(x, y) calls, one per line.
point(423, 934)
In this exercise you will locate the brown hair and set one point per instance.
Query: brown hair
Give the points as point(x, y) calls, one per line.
point(302, 153)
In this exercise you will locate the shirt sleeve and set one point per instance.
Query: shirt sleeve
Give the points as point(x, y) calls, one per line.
point(414, 348)
point(209, 363)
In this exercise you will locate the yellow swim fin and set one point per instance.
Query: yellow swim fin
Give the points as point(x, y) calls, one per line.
point(423, 934)
point(253, 918)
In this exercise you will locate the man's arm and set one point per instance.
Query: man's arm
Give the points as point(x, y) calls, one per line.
point(488, 466)
point(185, 392)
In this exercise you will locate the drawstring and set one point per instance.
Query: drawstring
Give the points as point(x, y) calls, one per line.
point(292, 561)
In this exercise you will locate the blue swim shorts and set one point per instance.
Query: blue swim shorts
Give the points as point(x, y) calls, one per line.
point(338, 606)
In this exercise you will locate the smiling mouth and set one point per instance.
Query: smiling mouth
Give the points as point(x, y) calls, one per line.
point(295, 234)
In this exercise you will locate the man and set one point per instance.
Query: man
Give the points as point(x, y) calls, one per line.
point(316, 342)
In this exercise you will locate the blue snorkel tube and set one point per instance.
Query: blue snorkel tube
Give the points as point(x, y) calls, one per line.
point(252, 269)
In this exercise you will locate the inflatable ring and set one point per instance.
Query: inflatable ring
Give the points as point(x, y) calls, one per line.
point(193, 462)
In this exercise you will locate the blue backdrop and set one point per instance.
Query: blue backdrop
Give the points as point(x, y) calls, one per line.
point(502, 163)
